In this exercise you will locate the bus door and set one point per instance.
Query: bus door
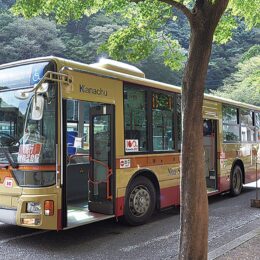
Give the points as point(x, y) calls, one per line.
point(210, 146)
point(102, 159)
point(88, 182)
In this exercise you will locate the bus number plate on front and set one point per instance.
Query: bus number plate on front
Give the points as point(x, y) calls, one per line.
point(8, 183)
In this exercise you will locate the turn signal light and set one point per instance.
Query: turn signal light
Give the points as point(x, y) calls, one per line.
point(48, 207)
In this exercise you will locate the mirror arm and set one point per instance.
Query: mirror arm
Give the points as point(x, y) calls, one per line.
point(52, 76)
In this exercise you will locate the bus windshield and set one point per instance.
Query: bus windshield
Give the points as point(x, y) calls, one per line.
point(23, 76)
point(27, 141)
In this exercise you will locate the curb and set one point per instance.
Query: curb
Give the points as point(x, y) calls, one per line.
point(233, 244)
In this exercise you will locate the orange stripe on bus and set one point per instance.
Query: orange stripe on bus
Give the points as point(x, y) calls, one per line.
point(4, 173)
point(228, 155)
point(37, 168)
point(144, 161)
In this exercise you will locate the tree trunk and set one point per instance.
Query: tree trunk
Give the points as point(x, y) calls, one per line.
point(194, 200)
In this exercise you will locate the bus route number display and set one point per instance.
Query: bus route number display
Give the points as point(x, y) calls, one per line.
point(131, 145)
point(29, 153)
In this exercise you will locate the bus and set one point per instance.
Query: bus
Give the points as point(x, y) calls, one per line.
point(84, 143)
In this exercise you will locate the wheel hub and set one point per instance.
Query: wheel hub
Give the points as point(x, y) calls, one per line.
point(139, 201)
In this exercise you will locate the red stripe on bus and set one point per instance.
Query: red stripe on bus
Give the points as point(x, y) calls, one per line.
point(120, 206)
point(59, 220)
point(170, 196)
point(250, 176)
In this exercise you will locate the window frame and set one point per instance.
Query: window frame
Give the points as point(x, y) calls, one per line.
point(257, 128)
point(247, 125)
point(149, 94)
point(240, 124)
point(173, 112)
point(232, 124)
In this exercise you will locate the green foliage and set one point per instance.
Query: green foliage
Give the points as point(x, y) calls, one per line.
point(225, 56)
point(252, 52)
point(5, 4)
point(144, 22)
point(244, 84)
point(81, 40)
point(75, 48)
point(21, 39)
point(225, 28)
point(144, 35)
point(141, 36)
point(248, 10)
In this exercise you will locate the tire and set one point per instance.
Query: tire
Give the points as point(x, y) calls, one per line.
point(140, 201)
point(236, 181)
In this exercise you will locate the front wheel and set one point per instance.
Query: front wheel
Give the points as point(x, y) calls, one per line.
point(140, 201)
point(236, 181)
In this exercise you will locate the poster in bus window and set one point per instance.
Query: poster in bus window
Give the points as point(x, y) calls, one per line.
point(29, 153)
point(131, 145)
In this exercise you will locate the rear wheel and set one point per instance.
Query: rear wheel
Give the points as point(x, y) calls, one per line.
point(236, 181)
point(140, 201)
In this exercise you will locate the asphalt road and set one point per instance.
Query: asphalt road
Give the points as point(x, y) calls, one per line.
point(230, 218)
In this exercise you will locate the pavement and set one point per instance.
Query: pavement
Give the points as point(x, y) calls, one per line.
point(241, 248)
point(244, 247)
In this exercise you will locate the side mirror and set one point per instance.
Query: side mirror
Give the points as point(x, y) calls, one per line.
point(37, 107)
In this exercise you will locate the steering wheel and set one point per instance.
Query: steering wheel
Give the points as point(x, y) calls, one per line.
point(8, 140)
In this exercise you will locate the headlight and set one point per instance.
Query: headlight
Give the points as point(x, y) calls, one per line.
point(34, 178)
point(33, 207)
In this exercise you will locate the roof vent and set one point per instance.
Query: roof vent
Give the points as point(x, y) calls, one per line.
point(119, 67)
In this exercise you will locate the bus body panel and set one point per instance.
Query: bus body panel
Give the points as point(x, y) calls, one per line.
point(102, 86)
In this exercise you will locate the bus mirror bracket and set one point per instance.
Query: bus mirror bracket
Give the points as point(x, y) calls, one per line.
point(42, 86)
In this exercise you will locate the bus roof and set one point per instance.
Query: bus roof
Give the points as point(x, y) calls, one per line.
point(126, 72)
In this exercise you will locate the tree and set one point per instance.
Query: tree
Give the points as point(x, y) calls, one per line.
point(21, 39)
point(4, 4)
point(225, 57)
point(244, 84)
point(139, 39)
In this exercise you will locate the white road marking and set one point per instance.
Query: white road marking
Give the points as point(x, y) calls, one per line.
point(23, 236)
point(232, 244)
point(146, 243)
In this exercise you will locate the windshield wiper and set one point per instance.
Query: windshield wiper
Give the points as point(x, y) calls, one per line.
point(8, 156)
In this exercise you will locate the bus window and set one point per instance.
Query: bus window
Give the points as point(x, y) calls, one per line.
point(230, 124)
point(162, 114)
point(135, 110)
point(247, 127)
point(257, 125)
point(77, 130)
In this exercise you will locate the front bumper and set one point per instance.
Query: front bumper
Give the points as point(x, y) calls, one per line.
point(8, 216)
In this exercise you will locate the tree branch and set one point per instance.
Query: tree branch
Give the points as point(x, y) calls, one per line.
point(186, 11)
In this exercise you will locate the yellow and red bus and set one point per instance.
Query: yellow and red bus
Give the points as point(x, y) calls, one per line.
point(83, 143)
